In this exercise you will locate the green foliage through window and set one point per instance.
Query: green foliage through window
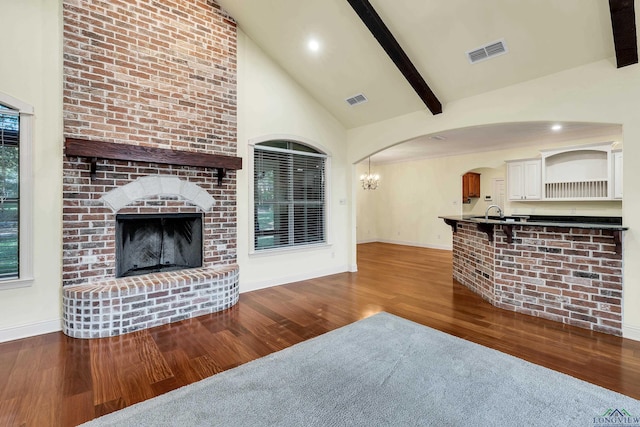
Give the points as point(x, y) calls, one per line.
point(9, 192)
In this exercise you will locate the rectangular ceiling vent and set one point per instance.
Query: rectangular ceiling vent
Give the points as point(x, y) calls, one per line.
point(356, 99)
point(487, 51)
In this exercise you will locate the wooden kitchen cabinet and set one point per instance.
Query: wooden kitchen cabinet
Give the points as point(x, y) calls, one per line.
point(470, 186)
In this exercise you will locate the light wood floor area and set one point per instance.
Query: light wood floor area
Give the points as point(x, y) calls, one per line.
point(53, 380)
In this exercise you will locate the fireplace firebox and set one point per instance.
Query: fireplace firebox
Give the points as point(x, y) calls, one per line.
point(150, 243)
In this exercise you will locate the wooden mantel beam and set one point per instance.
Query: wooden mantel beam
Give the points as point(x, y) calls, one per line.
point(372, 20)
point(137, 153)
point(128, 152)
point(623, 23)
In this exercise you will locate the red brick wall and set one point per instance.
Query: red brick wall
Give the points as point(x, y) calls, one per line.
point(150, 72)
point(155, 73)
point(89, 225)
point(569, 275)
point(475, 260)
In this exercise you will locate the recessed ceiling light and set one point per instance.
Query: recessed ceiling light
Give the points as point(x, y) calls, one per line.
point(313, 45)
point(437, 137)
point(556, 128)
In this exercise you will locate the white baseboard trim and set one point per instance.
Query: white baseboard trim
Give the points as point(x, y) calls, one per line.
point(252, 286)
point(30, 330)
point(631, 332)
point(416, 244)
point(366, 241)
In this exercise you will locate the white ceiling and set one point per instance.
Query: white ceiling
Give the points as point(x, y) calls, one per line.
point(542, 36)
point(492, 137)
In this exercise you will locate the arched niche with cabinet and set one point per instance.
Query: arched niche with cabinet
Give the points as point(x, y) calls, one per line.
point(470, 186)
point(578, 173)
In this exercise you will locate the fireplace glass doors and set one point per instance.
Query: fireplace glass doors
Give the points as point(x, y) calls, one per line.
point(157, 242)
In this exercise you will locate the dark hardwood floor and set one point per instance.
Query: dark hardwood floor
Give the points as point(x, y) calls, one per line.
point(53, 380)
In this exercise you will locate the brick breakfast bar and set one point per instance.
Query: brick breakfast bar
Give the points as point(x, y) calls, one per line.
point(564, 269)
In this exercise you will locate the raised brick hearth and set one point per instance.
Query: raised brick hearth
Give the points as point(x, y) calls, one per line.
point(160, 74)
point(116, 306)
point(570, 275)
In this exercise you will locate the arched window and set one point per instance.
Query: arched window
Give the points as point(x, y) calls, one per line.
point(288, 194)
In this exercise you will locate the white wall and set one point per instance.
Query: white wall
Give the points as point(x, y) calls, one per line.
point(33, 41)
point(270, 103)
point(366, 207)
point(598, 92)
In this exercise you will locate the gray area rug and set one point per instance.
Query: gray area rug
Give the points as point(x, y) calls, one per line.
point(384, 371)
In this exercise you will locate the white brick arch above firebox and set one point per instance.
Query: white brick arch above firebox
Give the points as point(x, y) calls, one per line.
point(159, 185)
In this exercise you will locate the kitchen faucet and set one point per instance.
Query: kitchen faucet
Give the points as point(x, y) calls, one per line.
point(486, 213)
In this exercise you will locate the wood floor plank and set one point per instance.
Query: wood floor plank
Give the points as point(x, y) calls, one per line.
point(108, 407)
point(60, 381)
point(77, 367)
point(8, 361)
point(25, 372)
point(103, 367)
point(151, 359)
point(180, 364)
point(9, 412)
point(76, 409)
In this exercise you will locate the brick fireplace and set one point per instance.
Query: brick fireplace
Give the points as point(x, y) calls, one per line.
point(147, 82)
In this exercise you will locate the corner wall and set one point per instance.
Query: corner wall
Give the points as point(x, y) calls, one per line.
point(271, 104)
point(34, 76)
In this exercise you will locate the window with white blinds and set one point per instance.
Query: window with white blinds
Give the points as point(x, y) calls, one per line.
point(289, 195)
point(9, 192)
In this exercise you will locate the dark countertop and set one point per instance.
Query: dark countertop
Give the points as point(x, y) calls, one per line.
point(599, 222)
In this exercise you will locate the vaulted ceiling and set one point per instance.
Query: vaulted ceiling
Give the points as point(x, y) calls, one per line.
point(541, 37)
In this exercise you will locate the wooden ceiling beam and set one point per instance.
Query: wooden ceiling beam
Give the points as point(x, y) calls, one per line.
point(623, 22)
point(372, 20)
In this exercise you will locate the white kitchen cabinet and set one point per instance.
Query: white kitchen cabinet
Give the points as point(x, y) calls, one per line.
point(587, 172)
point(524, 180)
point(617, 174)
point(581, 172)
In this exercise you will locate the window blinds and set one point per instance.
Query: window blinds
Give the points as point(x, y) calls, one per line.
point(289, 197)
point(9, 192)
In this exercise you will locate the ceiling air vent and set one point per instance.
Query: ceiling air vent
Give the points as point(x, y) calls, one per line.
point(438, 137)
point(356, 99)
point(487, 51)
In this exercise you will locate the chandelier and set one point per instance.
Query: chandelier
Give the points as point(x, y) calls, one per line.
point(369, 181)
